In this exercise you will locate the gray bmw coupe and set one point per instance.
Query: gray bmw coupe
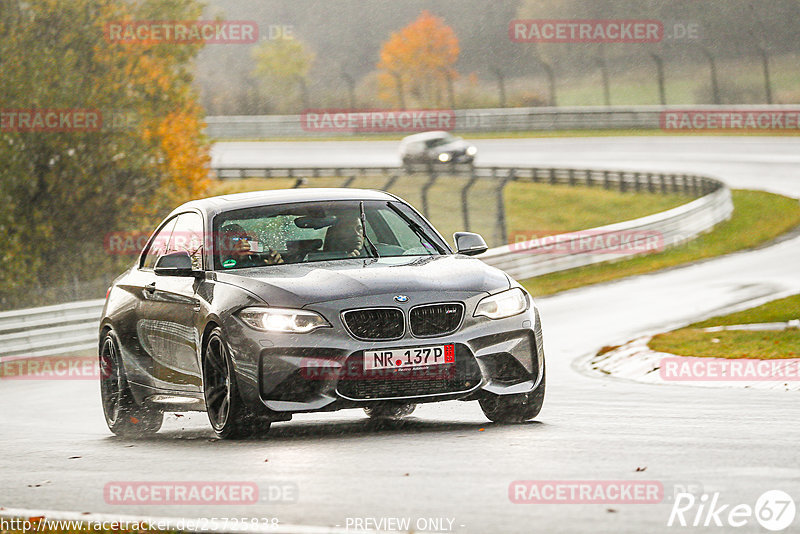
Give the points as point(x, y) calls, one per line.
point(255, 306)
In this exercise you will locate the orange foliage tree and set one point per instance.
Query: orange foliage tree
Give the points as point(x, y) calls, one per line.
point(418, 61)
point(62, 191)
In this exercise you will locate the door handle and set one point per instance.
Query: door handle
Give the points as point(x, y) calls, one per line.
point(150, 288)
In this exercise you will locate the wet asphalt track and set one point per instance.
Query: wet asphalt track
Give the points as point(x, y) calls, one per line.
point(447, 460)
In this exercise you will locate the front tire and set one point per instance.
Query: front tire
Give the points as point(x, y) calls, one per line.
point(229, 416)
point(124, 416)
point(514, 408)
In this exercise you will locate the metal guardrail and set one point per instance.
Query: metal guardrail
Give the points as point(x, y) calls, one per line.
point(71, 327)
point(481, 120)
point(623, 181)
point(670, 228)
point(50, 330)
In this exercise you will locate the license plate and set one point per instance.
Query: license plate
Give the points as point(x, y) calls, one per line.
point(409, 358)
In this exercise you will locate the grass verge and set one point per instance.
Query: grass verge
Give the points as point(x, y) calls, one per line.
point(766, 345)
point(777, 311)
point(758, 218)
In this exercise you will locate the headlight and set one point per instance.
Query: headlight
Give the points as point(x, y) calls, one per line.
point(501, 305)
point(472, 150)
point(444, 157)
point(283, 320)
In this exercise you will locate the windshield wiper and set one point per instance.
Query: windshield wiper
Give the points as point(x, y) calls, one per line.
point(424, 239)
point(372, 248)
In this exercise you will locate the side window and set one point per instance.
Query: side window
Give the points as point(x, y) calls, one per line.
point(158, 246)
point(188, 236)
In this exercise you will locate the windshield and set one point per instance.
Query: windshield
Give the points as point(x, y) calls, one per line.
point(439, 141)
point(320, 231)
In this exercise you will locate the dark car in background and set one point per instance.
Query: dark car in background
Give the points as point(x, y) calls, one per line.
point(436, 147)
point(256, 306)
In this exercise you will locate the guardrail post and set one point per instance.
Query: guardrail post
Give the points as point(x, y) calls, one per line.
point(650, 188)
point(621, 177)
point(427, 185)
point(589, 179)
point(552, 177)
point(390, 183)
point(606, 182)
point(572, 177)
point(465, 199)
point(637, 186)
point(502, 236)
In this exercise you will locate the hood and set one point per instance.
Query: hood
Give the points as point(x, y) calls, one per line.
point(297, 285)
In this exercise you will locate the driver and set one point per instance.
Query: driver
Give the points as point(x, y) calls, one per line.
point(235, 249)
point(346, 234)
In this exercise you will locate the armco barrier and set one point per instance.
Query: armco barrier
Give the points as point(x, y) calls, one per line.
point(484, 120)
point(675, 226)
point(50, 330)
point(71, 327)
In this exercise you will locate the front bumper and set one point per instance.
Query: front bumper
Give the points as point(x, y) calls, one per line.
point(320, 371)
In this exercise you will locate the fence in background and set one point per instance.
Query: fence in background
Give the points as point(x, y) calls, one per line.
point(74, 326)
point(483, 120)
point(623, 181)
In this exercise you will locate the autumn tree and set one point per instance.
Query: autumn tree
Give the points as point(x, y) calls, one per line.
point(418, 61)
point(63, 190)
point(281, 67)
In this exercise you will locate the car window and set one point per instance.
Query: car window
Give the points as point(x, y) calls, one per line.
point(438, 141)
point(402, 235)
point(188, 236)
point(158, 245)
point(307, 232)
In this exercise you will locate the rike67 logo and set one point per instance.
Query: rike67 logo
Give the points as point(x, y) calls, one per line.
point(774, 510)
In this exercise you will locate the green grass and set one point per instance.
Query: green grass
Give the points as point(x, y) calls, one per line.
point(531, 209)
point(729, 344)
point(777, 311)
point(758, 218)
point(693, 341)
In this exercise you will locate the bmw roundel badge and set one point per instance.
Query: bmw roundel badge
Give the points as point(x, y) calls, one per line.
point(401, 298)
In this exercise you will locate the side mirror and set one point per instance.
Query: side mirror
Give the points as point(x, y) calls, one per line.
point(469, 244)
point(175, 264)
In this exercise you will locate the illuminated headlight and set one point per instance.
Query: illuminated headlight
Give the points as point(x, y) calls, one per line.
point(283, 320)
point(472, 150)
point(501, 305)
point(444, 157)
